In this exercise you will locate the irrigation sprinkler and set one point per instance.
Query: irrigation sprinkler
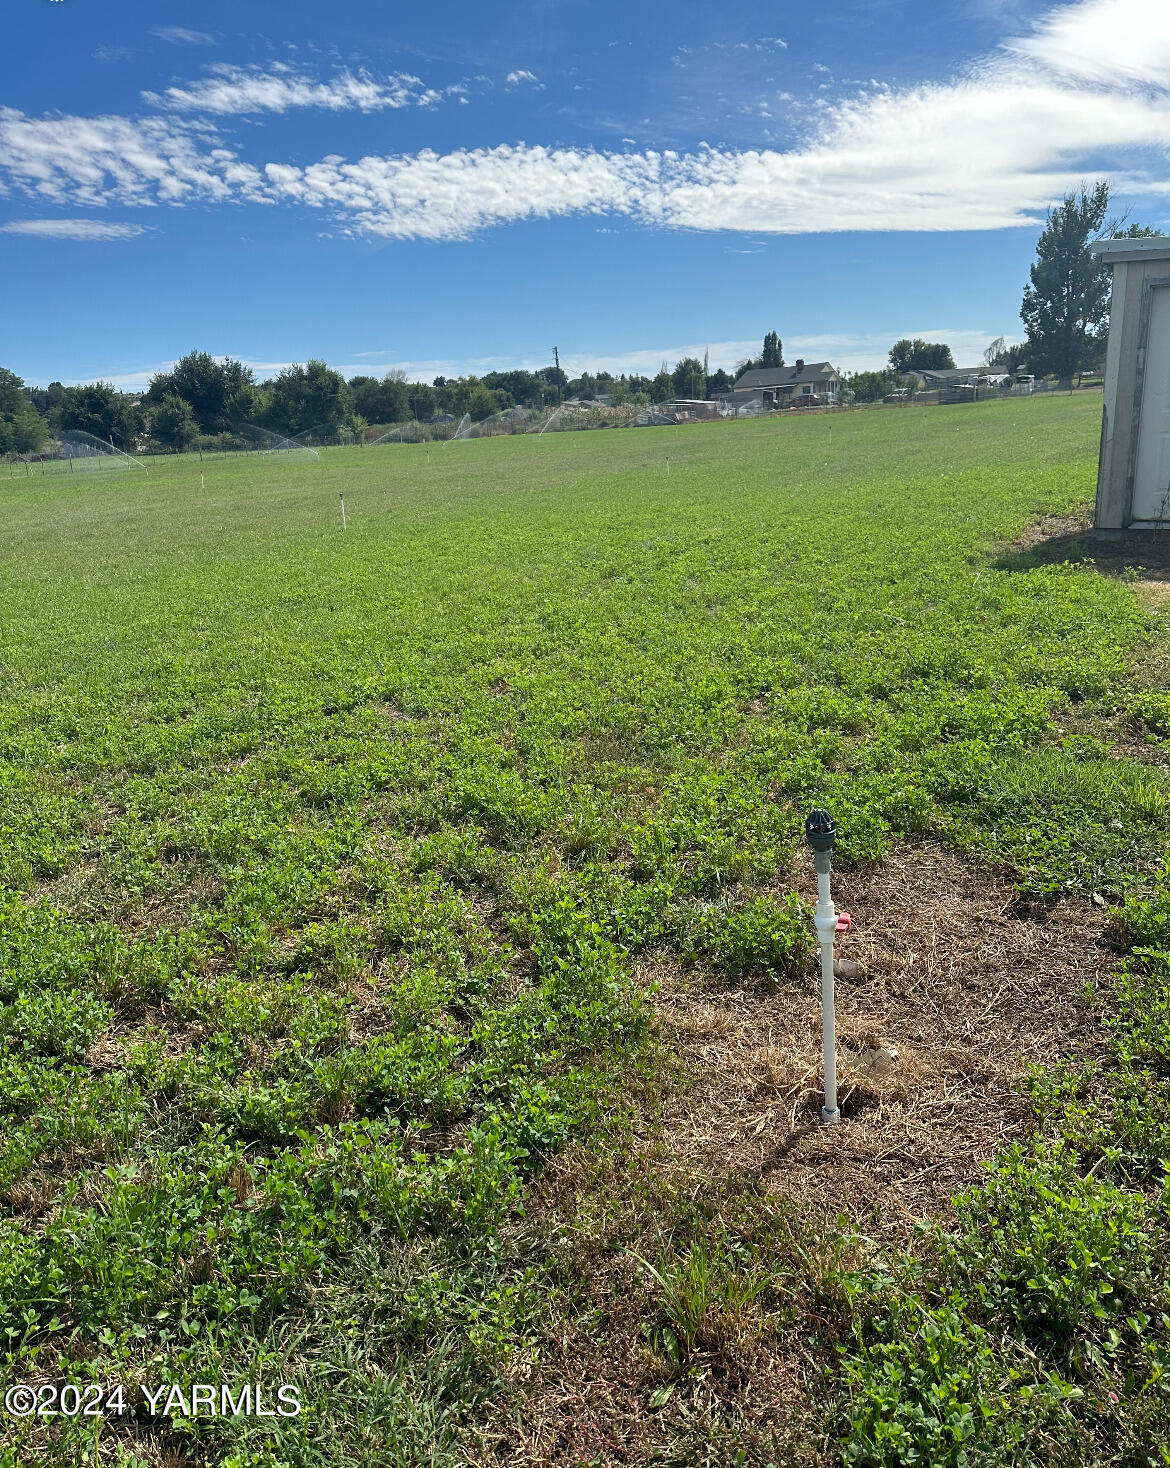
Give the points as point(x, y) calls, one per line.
point(341, 497)
point(821, 834)
point(264, 441)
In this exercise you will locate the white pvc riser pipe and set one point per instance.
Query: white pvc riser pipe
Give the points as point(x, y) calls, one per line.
point(825, 919)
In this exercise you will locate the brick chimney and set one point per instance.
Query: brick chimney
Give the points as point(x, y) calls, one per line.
point(799, 365)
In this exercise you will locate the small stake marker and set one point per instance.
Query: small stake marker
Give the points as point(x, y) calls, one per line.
point(201, 484)
point(668, 463)
point(341, 497)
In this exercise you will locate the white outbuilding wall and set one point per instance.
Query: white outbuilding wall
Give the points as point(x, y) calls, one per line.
point(1133, 474)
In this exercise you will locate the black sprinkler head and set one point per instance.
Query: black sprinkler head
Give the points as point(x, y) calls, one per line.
point(819, 830)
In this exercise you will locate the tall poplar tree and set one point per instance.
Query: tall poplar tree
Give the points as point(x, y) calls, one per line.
point(1066, 303)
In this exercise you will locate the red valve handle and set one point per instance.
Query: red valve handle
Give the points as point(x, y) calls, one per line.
point(844, 922)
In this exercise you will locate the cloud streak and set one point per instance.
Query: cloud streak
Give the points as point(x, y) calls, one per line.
point(1108, 41)
point(281, 88)
point(72, 229)
point(104, 160)
point(179, 35)
point(987, 151)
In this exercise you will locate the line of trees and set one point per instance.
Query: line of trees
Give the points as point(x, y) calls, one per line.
point(201, 399)
point(30, 416)
point(22, 429)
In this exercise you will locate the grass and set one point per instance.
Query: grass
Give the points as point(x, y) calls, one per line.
point(327, 860)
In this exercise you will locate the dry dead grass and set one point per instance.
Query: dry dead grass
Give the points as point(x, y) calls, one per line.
point(969, 986)
point(966, 985)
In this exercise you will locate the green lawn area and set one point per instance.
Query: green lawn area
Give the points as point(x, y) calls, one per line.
point(327, 861)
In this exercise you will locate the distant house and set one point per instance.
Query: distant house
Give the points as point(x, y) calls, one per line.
point(692, 409)
point(952, 377)
point(777, 387)
point(597, 400)
point(748, 403)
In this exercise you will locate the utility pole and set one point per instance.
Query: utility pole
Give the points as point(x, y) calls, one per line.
point(557, 358)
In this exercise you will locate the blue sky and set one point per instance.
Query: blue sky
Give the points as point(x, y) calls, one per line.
point(454, 188)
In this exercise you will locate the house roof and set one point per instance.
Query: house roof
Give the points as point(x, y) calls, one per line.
point(784, 376)
point(951, 374)
point(1127, 249)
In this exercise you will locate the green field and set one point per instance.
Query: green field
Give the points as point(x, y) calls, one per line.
point(328, 862)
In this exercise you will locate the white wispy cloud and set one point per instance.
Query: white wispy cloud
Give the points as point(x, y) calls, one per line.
point(1108, 41)
point(683, 55)
point(280, 88)
point(524, 78)
point(179, 35)
point(103, 160)
point(73, 229)
point(990, 150)
point(452, 195)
